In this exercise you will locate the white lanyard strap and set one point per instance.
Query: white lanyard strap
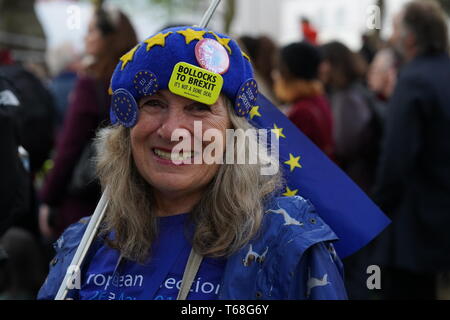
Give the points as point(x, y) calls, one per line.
point(192, 266)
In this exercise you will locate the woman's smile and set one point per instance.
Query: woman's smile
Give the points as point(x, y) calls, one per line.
point(166, 156)
point(171, 164)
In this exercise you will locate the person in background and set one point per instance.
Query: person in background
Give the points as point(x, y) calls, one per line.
point(368, 49)
point(382, 74)
point(413, 177)
point(357, 134)
point(308, 31)
point(381, 80)
point(15, 182)
point(31, 112)
point(351, 105)
point(109, 36)
point(296, 82)
point(261, 51)
point(63, 63)
point(23, 270)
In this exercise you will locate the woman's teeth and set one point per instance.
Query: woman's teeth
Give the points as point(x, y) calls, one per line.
point(176, 156)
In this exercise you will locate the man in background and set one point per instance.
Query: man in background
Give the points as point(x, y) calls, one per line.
point(413, 179)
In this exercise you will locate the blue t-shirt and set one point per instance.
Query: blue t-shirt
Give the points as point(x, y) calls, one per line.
point(159, 277)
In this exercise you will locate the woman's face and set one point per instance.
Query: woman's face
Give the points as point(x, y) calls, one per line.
point(161, 114)
point(94, 40)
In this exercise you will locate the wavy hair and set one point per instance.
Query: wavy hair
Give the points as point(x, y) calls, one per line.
point(227, 217)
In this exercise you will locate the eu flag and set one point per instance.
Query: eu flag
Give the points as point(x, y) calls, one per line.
point(354, 218)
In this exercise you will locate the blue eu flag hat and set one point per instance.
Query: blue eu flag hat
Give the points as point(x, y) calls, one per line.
point(153, 65)
point(149, 66)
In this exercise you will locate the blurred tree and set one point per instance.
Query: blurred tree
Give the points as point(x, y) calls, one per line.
point(20, 31)
point(97, 3)
point(445, 5)
point(173, 6)
point(230, 9)
point(371, 39)
point(200, 7)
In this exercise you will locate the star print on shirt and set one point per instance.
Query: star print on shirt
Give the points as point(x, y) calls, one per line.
point(254, 256)
point(315, 282)
point(288, 220)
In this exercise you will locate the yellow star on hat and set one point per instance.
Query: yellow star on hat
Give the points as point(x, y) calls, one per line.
point(293, 162)
point(223, 41)
point(245, 55)
point(157, 40)
point(127, 57)
point(191, 34)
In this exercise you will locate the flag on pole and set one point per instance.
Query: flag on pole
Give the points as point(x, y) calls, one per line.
point(354, 218)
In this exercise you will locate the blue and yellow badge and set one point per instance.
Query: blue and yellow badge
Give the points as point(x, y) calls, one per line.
point(145, 83)
point(124, 107)
point(246, 98)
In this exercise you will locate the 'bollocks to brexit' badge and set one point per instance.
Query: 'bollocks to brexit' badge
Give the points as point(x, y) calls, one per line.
point(195, 83)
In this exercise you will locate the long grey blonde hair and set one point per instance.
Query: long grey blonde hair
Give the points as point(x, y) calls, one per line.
point(227, 217)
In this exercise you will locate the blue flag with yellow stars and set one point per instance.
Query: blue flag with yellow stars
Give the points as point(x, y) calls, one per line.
point(354, 218)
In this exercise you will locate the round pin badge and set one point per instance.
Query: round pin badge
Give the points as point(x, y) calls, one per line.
point(145, 83)
point(124, 107)
point(246, 98)
point(212, 56)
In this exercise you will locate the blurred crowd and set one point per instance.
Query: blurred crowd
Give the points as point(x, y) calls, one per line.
point(382, 114)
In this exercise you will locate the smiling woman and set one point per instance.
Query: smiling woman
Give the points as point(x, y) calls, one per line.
point(159, 118)
point(158, 187)
point(218, 226)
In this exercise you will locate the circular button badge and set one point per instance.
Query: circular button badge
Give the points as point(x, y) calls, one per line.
point(145, 83)
point(246, 97)
point(124, 107)
point(212, 56)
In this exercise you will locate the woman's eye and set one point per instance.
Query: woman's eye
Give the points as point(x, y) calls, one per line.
point(200, 107)
point(152, 103)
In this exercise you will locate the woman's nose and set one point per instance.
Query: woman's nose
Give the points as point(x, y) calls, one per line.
point(174, 123)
